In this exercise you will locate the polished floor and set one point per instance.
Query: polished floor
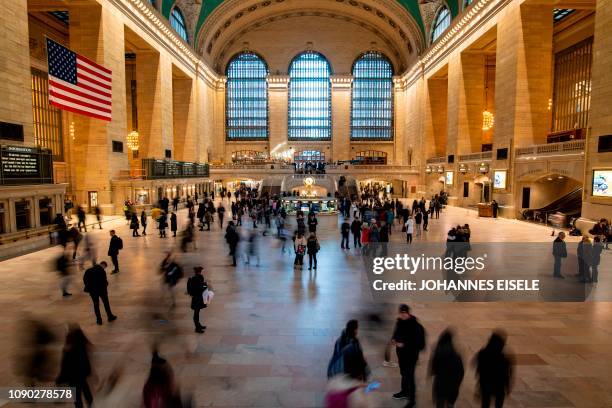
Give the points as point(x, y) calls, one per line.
point(271, 329)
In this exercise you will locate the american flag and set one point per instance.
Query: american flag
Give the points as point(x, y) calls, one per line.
point(77, 84)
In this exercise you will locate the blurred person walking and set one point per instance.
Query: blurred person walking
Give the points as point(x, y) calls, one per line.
point(494, 371)
point(446, 368)
point(76, 367)
point(232, 238)
point(96, 285)
point(160, 389)
point(98, 213)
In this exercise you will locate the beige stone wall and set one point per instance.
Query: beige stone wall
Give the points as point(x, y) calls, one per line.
point(601, 112)
point(15, 85)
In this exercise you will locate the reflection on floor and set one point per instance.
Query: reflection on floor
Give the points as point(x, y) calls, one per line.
point(271, 329)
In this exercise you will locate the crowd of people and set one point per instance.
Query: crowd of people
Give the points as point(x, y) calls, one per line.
point(367, 224)
point(349, 373)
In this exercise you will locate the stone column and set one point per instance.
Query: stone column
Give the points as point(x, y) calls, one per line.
point(15, 81)
point(98, 34)
point(595, 208)
point(341, 117)
point(399, 117)
point(436, 117)
point(148, 88)
point(278, 100)
point(471, 103)
point(218, 137)
point(523, 75)
point(184, 112)
point(167, 118)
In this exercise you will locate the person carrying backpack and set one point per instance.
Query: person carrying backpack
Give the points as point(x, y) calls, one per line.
point(196, 285)
point(347, 357)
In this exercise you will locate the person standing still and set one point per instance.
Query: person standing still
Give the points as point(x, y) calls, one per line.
point(195, 288)
point(559, 252)
point(173, 223)
point(425, 220)
point(115, 245)
point(221, 213)
point(409, 229)
point(96, 285)
point(345, 228)
point(313, 247)
point(409, 340)
point(596, 259)
point(356, 230)
point(418, 218)
point(143, 222)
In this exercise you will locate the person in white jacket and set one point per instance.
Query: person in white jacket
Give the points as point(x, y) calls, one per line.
point(409, 229)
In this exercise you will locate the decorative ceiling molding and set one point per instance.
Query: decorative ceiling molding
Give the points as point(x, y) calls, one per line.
point(402, 26)
point(221, 56)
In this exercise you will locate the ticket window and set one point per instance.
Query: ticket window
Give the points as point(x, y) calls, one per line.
point(45, 205)
point(23, 220)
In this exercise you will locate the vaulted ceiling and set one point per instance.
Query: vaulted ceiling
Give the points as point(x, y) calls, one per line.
point(221, 27)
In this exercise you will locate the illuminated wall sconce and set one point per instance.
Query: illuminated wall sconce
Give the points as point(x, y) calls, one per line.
point(428, 170)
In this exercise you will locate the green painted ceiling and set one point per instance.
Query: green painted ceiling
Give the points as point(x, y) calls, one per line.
point(209, 6)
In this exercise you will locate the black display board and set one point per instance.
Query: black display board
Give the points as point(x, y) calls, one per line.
point(25, 165)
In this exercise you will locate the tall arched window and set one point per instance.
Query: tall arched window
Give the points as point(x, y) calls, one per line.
point(177, 21)
point(309, 97)
point(466, 3)
point(440, 23)
point(246, 101)
point(372, 98)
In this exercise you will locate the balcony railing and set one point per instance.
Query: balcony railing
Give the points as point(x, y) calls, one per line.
point(552, 149)
point(476, 157)
point(436, 160)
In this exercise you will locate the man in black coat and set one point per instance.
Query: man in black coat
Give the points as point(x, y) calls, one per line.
point(196, 287)
point(232, 238)
point(559, 252)
point(115, 245)
point(96, 285)
point(409, 340)
point(356, 230)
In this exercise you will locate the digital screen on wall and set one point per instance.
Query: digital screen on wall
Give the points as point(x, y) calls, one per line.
point(449, 178)
point(499, 179)
point(601, 183)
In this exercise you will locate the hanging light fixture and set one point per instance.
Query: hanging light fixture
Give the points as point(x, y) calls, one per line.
point(132, 140)
point(133, 136)
point(488, 119)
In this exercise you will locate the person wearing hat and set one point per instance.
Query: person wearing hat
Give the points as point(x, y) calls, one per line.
point(409, 340)
point(195, 288)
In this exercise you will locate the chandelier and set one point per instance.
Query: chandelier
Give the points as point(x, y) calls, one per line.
point(132, 140)
point(488, 120)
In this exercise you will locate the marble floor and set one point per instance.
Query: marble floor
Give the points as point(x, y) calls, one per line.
point(271, 329)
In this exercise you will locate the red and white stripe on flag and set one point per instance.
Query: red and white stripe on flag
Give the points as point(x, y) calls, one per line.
point(78, 84)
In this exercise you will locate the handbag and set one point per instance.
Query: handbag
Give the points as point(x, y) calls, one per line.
point(207, 296)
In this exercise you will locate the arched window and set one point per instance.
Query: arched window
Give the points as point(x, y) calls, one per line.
point(246, 101)
point(440, 23)
point(466, 3)
point(177, 21)
point(372, 98)
point(309, 97)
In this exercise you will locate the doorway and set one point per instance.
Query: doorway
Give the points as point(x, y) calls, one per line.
point(526, 197)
